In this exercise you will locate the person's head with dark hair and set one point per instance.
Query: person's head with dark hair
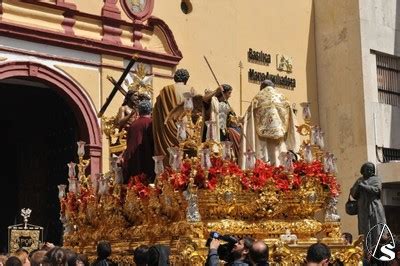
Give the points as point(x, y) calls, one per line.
point(226, 91)
point(258, 253)
point(37, 256)
point(131, 98)
point(72, 257)
point(141, 255)
point(181, 75)
point(23, 256)
point(267, 83)
point(13, 261)
point(318, 254)
point(144, 108)
point(241, 249)
point(82, 260)
point(347, 238)
point(56, 257)
point(3, 259)
point(103, 249)
point(367, 170)
point(158, 255)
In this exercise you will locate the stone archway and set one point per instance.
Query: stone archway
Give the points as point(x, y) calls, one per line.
point(79, 102)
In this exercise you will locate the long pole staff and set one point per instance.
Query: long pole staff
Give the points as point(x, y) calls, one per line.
point(216, 80)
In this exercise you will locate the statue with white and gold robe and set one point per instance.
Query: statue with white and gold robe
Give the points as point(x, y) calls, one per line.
point(268, 126)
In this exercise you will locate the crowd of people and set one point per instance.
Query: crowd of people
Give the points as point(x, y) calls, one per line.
point(244, 251)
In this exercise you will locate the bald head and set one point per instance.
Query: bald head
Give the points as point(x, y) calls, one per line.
point(266, 83)
point(259, 252)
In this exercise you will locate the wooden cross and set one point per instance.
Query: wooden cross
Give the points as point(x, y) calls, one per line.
point(117, 86)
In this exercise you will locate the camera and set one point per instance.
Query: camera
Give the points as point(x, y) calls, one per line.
point(225, 250)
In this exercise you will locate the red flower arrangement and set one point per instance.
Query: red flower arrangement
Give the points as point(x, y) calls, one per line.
point(72, 202)
point(255, 181)
point(138, 184)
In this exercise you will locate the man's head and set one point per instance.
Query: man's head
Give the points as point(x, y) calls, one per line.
point(144, 108)
point(131, 98)
point(226, 91)
point(267, 83)
point(367, 169)
point(258, 252)
point(23, 255)
point(37, 257)
point(241, 248)
point(103, 249)
point(141, 255)
point(318, 254)
point(13, 261)
point(181, 75)
point(158, 255)
point(347, 238)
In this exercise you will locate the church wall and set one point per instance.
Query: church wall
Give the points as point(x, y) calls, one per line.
point(340, 92)
point(32, 15)
point(224, 30)
point(380, 22)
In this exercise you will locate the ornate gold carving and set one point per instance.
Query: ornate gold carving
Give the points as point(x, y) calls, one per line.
point(129, 216)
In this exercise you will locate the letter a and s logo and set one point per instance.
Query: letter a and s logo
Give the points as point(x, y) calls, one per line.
point(386, 249)
point(383, 246)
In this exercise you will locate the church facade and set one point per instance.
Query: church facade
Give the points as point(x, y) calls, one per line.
point(315, 51)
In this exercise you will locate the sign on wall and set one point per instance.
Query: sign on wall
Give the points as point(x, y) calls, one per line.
point(284, 63)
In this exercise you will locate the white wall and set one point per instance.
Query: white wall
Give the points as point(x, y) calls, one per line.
point(380, 21)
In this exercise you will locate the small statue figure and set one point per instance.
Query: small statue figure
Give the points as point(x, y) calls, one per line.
point(288, 237)
point(192, 212)
point(269, 125)
point(331, 214)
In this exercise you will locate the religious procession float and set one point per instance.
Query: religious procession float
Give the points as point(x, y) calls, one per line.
point(203, 189)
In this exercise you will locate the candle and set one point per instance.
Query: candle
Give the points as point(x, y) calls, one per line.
point(71, 169)
point(306, 111)
point(158, 164)
point(81, 148)
point(250, 160)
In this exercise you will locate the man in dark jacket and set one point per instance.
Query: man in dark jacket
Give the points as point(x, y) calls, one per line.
point(239, 252)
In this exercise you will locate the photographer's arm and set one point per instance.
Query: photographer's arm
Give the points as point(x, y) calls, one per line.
point(212, 258)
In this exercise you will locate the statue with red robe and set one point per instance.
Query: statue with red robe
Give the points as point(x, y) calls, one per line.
point(138, 156)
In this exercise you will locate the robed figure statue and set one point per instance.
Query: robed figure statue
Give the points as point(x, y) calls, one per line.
point(367, 191)
point(268, 126)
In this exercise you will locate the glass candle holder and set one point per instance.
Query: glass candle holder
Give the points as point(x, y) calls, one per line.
point(288, 162)
point(103, 185)
point(61, 191)
point(227, 150)
point(158, 164)
point(73, 185)
point(117, 170)
point(174, 158)
point(321, 139)
point(71, 170)
point(307, 153)
point(188, 101)
point(205, 160)
point(181, 131)
point(333, 161)
point(95, 183)
point(250, 160)
point(327, 162)
point(306, 111)
point(314, 136)
point(210, 130)
point(81, 148)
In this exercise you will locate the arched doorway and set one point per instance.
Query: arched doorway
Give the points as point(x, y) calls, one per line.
point(43, 114)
